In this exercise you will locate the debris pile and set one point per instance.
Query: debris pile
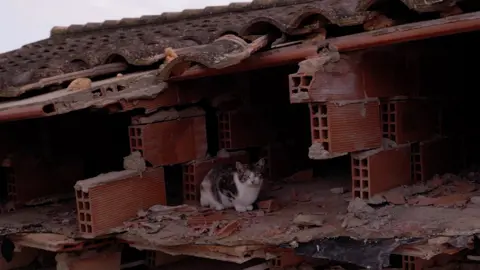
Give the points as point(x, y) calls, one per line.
point(442, 191)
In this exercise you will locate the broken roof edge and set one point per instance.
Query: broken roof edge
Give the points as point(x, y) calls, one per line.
point(169, 17)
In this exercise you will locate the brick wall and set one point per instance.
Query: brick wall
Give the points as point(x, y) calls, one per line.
point(357, 75)
point(30, 177)
point(432, 157)
point(170, 142)
point(405, 121)
point(241, 129)
point(346, 128)
point(379, 170)
point(106, 201)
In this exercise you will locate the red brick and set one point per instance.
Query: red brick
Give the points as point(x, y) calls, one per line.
point(170, 142)
point(30, 178)
point(106, 201)
point(241, 129)
point(346, 128)
point(439, 261)
point(89, 261)
point(378, 170)
point(193, 174)
point(286, 258)
point(357, 75)
point(432, 157)
point(405, 121)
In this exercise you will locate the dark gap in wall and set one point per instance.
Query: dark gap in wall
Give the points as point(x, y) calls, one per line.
point(174, 184)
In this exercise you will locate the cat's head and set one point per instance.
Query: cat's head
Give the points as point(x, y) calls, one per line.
point(251, 175)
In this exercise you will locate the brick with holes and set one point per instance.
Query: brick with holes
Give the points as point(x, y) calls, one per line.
point(339, 129)
point(436, 156)
point(106, 201)
point(195, 171)
point(241, 129)
point(21, 168)
point(170, 142)
point(380, 72)
point(378, 170)
point(408, 120)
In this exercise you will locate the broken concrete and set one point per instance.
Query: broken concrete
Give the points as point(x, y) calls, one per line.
point(134, 162)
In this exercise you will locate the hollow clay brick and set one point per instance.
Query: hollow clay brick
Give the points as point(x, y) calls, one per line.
point(379, 170)
point(406, 121)
point(241, 129)
point(345, 128)
point(106, 201)
point(373, 73)
point(170, 142)
point(432, 157)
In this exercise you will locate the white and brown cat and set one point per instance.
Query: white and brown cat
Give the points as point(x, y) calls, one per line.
point(236, 186)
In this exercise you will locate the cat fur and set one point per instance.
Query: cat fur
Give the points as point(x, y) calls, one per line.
point(236, 186)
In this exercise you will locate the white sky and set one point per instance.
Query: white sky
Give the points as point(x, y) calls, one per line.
point(26, 21)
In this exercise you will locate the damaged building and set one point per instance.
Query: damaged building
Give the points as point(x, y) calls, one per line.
point(364, 112)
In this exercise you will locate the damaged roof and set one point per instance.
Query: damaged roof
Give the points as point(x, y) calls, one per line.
point(142, 41)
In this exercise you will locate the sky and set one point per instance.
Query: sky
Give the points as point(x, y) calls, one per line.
point(26, 21)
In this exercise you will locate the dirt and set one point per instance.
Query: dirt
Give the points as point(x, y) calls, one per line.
point(57, 218)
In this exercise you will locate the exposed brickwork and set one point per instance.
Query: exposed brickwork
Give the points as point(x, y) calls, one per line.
point(432, 157)
point(107, 200)
point(194, 173)
point(356, 75)
point(346, 128)
point(405, 121)
point(379, 170)
point(170, 142)
point(437, 262)
point(20, 169)
point(241, 129)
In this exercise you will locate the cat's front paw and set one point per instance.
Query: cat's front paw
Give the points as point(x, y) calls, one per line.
point(249, 208)
point(240, 208)
point(219, 207)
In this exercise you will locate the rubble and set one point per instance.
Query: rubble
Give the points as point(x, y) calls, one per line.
point(359, 206)
point(134, 162)
point(268, 206)
point(308, 220)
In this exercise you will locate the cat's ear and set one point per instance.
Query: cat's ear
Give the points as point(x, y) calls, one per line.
point(239, 166)
point(260, 164)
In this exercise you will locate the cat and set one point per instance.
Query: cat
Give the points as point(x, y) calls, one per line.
point(236, 186)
